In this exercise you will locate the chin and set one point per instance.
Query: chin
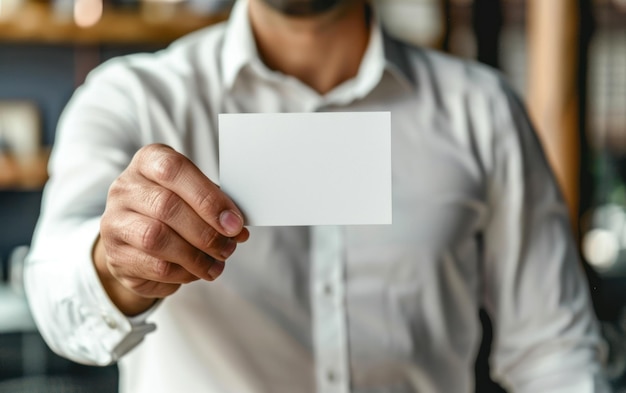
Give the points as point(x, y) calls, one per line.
point(304, 7)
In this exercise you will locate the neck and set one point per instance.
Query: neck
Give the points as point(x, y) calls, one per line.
point(322, 50)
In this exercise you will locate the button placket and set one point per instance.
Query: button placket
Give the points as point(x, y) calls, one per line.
point(330, 328)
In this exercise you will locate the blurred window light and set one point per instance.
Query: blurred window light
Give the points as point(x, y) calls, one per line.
point(163, 1)
point(87, 12)
point(601, 248)
point(419, 22)
point(9, 7)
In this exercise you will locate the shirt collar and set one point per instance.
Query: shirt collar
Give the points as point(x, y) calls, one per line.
point(239, 46)
point(383, 53)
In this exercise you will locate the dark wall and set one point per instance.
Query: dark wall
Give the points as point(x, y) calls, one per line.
point(46, 75)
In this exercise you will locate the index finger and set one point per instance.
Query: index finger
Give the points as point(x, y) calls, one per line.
point(172, 170)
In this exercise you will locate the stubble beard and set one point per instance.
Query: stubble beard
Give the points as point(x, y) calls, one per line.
point(304, 8)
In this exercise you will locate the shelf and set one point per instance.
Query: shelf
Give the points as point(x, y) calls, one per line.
point(24, 173)
point(150, 23)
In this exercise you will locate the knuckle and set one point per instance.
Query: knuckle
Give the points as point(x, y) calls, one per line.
point(164, 205)
point(116, 188)
point(154, 236)
point(111, 232)
point(208, 205)
point(139, 286)
point(162, 270)
point(148, 152)
point(166, 166)
point(211, 239)
point(106, 225)
point(200, 265)
point(125, 234)
point(135, 284)
point(114, 258)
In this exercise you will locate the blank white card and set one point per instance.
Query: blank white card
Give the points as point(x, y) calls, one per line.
point(307, 168)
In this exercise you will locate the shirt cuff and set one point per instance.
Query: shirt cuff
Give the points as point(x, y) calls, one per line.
point(118, 333)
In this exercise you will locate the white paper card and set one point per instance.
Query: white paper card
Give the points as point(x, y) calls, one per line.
point(307, 168)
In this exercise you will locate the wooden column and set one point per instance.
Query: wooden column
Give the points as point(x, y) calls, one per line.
point(553, 43)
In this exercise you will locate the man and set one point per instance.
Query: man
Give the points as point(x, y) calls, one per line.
point(135, 230)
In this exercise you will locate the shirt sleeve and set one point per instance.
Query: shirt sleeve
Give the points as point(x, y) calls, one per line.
point(95, 141)
point(546, 336)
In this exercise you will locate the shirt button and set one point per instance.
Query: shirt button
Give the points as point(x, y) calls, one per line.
point(330, 376)
point(328, 289)
point(109, 321)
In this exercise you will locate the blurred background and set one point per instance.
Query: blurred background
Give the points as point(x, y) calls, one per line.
point(566, 58)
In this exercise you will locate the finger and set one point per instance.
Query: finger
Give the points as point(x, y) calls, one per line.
point(129, 263)
point(161, 242)
point(175, 172)
point(166, 206)
point(243, 236)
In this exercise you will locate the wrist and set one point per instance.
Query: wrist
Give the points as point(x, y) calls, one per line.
point(127, 301)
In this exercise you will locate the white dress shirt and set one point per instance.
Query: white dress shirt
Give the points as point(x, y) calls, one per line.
point(477, 220)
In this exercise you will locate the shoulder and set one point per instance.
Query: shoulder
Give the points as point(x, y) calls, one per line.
point(432, 69)
point(130, 93)
point(455, 75)
point(136, 88)
point(467, 103)
point(462, 88)
point(169, 68)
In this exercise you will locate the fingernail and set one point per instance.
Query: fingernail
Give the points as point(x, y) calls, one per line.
point(231, 222)
point(217, 267)
point(229, 248)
